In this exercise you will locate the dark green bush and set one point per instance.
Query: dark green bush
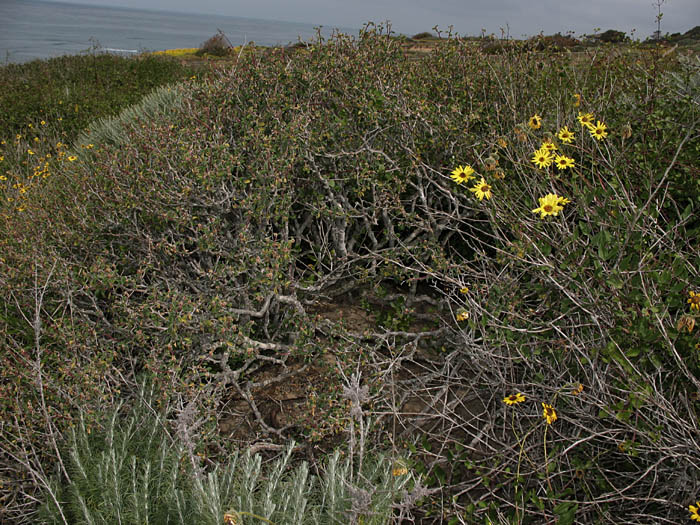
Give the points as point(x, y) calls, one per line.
point(69, 92)
point(612, 36)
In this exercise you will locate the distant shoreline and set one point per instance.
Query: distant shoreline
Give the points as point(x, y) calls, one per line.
point(34, 29)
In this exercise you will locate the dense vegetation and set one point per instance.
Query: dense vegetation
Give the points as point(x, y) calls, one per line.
point(337, 246)
point(78, 89)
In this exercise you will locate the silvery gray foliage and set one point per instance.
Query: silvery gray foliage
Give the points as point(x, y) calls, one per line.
point(113, 130)
point(134, 470)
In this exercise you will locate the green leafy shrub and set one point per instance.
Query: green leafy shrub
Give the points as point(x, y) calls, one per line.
point(612, 36)
point(200, 248)
point(69, 92)
point(423, 36)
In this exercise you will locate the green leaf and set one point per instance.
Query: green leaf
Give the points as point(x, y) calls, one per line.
point(566, 512)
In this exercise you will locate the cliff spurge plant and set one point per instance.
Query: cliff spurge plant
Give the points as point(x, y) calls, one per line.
point(462, 174)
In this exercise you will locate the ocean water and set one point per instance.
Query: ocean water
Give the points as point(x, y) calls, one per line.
point(31, 29)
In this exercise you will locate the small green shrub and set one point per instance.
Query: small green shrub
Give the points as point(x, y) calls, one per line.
point(70, 92)
point(425, 35)
point(218, 45)
point(612, 36)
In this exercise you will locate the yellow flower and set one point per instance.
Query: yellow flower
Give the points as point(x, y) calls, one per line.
point(535, 122)
point(562, 162)
point(514, 399)
point(481, 190)
point(464, 290)
point(598, 131)
point(462, 174)
point(694, 515)
point(43, 123)
point(550, 204)
point(462, 315)
point(2, 157)
point(548, 145)
point(502, 142)
point(72, 158)
point(399, 468)
point(549, 413)
point(577, 100)
point(576, 391)
point(565, 135)
point(694, 300)
point(30, 152)
point(542, 158)
point(585, 119)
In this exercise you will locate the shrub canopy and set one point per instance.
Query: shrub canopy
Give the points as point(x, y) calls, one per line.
point(200, 244)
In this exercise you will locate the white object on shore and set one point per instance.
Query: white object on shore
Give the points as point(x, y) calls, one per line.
point(113, 50)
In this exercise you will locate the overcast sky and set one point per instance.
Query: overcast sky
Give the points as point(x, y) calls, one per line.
point(468, 17)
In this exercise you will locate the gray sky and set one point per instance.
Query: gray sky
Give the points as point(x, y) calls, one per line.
point(468, 17)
